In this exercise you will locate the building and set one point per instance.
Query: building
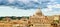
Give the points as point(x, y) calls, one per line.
point(39, 20)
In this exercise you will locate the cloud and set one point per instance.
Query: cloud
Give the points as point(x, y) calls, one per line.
point(52, 9)
point(28, 4)
point(47, 9)
point(10, 1)
point(56, 6)
point(25, 4)
point(52, 6)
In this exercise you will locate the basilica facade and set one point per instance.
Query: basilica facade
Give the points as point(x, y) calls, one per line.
point(40, 20)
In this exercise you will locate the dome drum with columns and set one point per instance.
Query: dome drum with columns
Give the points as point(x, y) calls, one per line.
point(38, 12)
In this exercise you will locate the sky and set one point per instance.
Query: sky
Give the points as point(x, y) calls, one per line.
point(28, 7)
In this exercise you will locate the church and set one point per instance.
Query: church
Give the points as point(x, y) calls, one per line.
point(40, 20)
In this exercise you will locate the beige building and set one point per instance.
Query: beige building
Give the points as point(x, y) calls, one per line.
point(39, 20)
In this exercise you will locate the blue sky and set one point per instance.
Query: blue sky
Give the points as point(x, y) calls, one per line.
point(8, 11)
point(28, 7)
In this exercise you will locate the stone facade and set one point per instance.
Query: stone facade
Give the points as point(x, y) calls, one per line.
point(39, 20)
